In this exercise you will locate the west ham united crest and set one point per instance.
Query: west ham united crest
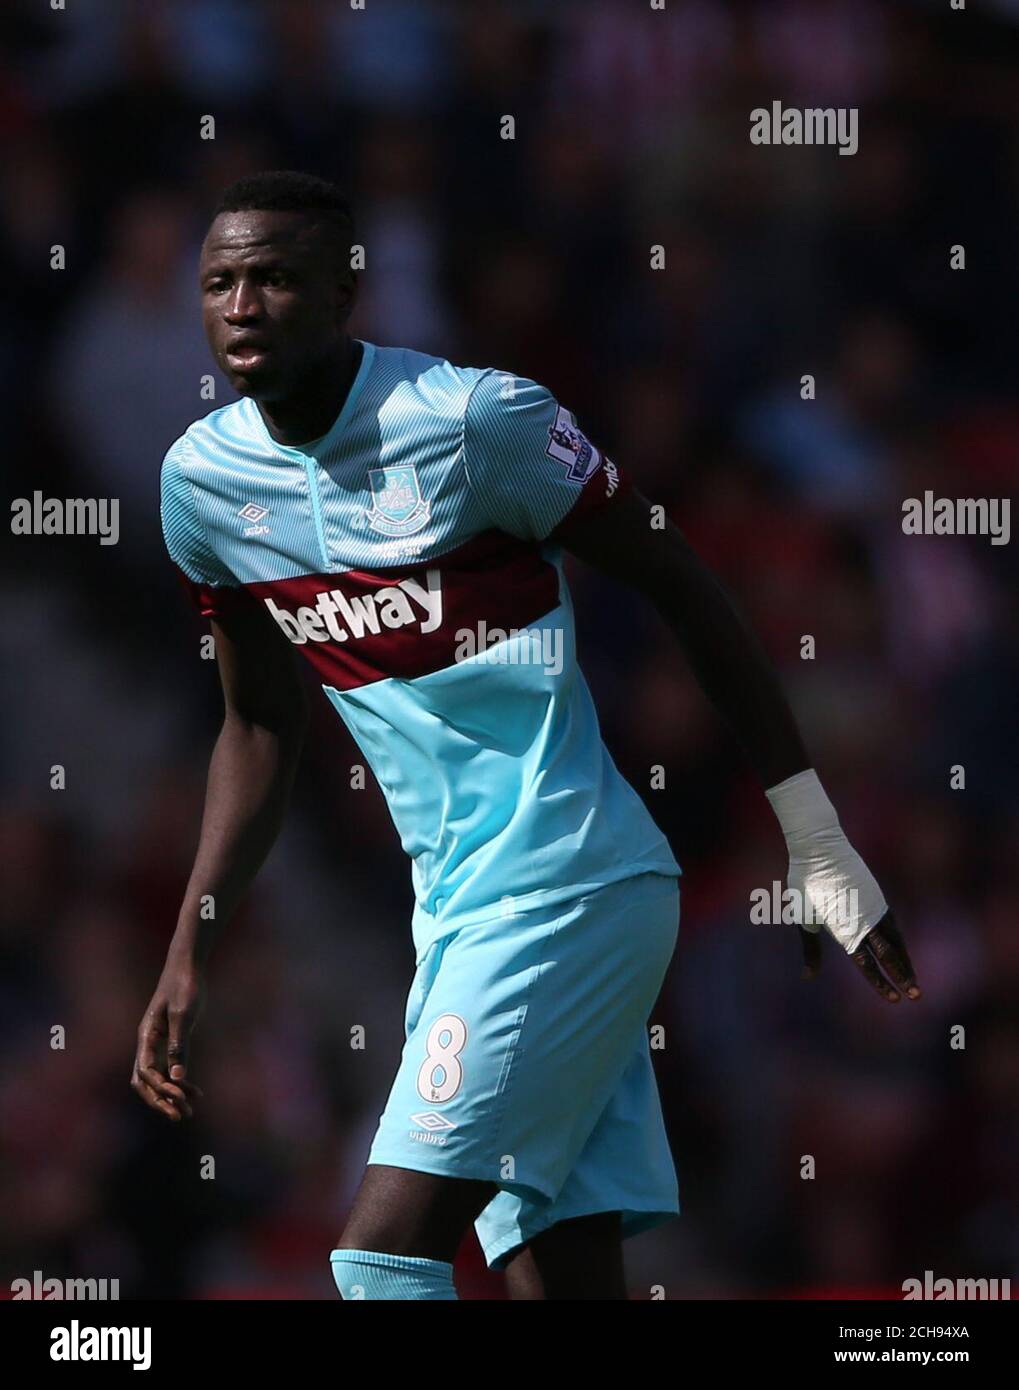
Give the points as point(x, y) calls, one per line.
point(397, 509)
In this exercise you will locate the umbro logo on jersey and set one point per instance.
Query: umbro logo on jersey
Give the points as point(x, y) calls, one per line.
point(254, 513)
point(336, 617)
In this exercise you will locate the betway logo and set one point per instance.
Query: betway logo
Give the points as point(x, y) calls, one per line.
point(334, 617)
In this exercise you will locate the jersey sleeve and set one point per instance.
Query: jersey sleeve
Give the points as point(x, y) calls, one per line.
point(209, 583)
point(528, 464)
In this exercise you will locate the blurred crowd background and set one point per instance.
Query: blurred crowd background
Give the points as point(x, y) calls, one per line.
point(532, 255)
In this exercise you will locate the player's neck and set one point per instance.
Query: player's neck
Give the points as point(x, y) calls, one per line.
point(312, 410)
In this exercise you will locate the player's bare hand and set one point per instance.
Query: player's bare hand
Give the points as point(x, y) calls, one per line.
point(811, 944)
point(881, 957)
point(884, 960)
point(161, 1060)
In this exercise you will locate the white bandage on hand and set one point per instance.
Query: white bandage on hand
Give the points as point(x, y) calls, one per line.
point(836, 888)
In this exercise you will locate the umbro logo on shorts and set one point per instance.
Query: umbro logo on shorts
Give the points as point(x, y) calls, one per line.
point(428, 1119)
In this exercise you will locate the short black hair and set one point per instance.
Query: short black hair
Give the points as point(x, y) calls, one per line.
point(291, 190)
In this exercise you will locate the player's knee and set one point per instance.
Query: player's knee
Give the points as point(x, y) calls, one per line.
point(370, 1274)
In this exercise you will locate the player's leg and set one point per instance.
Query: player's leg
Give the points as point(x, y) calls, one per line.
point(404, 1212)
point(402, 1234)
point(622, 1182)
point(405, 1224)
point(625, 1166)
point(578, 1259)
point(505, 1020)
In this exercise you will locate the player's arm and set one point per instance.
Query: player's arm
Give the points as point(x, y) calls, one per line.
point(251, 773)
point(738, 678)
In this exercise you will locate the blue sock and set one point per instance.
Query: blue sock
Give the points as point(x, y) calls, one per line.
point(366, 1274)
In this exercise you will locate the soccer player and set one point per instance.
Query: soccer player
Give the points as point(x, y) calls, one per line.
point(400, 522)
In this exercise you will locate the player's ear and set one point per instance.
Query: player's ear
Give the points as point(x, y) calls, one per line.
point(346, 299)
point(346, 295)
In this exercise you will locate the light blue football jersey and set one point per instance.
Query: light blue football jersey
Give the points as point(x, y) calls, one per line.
point(413, 555)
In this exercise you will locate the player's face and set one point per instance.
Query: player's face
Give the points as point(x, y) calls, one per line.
point(273, 302)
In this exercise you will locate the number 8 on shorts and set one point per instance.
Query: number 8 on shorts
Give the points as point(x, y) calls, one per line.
point(441, 1074)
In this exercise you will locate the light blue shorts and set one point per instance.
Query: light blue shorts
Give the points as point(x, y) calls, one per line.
point(527, 1064)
